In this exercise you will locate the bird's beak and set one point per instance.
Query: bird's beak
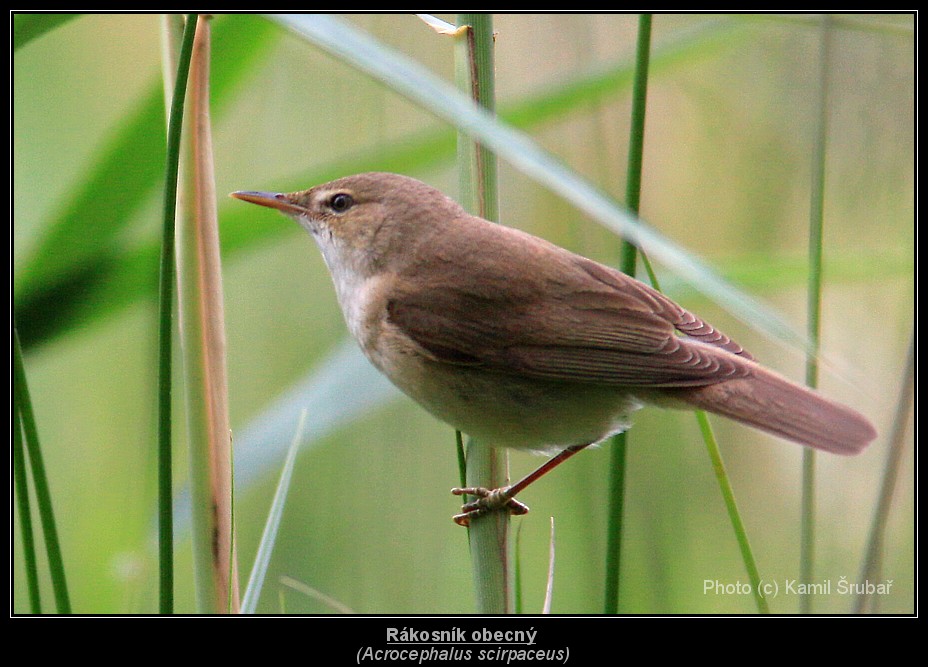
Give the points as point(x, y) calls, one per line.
point(277, 200)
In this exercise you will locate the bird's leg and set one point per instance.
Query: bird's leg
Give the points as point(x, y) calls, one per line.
point(504, 497)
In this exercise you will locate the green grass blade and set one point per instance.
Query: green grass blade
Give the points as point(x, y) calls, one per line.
point(617, 474)
point(21, 486)
point(814, 312)
point(312, 593)
point(618, 462)
point(517, 604)
point(872, 561)
point(27, 27)
point(165, 327)
point(272, 525)
point(636, 134)
point(728, 496)
point(633, 198)
point(549, 584)
point(462, 457)
point(23, 406)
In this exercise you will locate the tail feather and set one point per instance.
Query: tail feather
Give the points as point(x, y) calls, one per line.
point(773, 404)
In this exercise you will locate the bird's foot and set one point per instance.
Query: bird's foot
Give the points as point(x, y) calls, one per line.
point(487, 501)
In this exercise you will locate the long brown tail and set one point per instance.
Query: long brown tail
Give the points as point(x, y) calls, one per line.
point(772, 403)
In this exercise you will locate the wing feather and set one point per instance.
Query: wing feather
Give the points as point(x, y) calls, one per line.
point(570, 319)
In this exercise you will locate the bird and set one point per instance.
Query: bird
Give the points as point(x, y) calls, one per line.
point(520, 343)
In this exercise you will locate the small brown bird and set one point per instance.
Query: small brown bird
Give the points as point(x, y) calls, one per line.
point(520, 343)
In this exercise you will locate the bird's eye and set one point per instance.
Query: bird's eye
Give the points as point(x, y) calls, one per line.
point(341, 202)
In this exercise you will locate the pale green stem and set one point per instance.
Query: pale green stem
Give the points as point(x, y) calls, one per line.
point(871, 567)
point(486, 465)
point(728, 495)
point(814, 310)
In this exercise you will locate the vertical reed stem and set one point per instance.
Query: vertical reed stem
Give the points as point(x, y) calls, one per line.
point(629, 254)
point(202, 336)
point(166, 321)
point(813, 310)
point(871, 566)
point(486, 465)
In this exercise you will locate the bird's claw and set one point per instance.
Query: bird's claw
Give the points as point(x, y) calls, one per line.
point(487, 500)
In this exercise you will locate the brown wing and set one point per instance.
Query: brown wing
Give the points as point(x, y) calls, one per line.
point(567, 318)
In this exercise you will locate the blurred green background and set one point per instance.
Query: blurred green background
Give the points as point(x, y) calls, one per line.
point(727, 170)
